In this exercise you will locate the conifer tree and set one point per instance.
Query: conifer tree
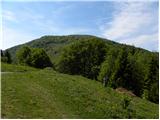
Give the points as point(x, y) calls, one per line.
point(151, 84)
point(8, 56)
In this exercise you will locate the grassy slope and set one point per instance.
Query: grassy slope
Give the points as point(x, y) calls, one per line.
point(47, 94)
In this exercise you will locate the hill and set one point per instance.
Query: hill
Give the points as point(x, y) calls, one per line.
point(54, 44)
point(43, 93)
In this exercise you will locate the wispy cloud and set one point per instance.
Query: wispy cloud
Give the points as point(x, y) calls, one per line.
point(133, 23)
point(31, 24)
point(149, 41)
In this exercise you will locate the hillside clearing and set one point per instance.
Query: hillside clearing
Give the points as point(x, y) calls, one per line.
point(48, 94)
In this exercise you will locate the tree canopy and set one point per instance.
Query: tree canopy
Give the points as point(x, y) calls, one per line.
point(83, 58)
point(35, 57)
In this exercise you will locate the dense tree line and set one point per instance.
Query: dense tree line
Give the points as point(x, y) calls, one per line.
point(126, 67)
point(131, 69)
point(35, 57)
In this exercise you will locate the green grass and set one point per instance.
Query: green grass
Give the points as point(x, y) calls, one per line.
point(48, 94)
point(15, 68)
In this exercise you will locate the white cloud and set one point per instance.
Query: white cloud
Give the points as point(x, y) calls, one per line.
point(145, 38)
point(145, 41)
point(133, 23)
point(128, 19)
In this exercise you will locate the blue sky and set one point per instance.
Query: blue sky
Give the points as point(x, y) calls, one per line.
point(134, 23)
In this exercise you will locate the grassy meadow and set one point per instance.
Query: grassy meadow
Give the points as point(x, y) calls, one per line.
point(43, 93)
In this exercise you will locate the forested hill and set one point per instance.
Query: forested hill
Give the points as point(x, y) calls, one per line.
point(54, 44)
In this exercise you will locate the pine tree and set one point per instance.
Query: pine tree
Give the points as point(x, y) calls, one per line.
point(151, 84)
point(7, 54)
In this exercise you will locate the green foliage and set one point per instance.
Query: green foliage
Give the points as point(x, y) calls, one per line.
point(126, 102)
point(151, 84)
point(107, 66)
point(23, 55)
point(129, 69)
point(40, 59)
point(118, 75)
point(5, 56)
point(133, 77)
point(83, 58)
point(33, 57)
point(153, 94)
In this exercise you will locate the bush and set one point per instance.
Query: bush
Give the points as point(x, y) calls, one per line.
point(126, 102)
point(39, 59)
point(35, 57)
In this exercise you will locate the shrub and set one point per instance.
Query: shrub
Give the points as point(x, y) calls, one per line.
point(39, 59)
point(126, 102)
